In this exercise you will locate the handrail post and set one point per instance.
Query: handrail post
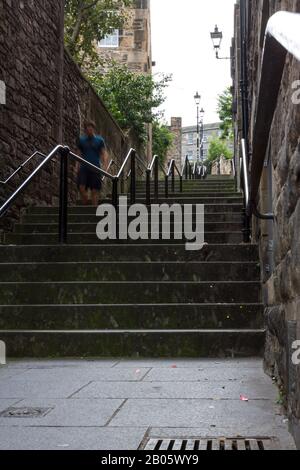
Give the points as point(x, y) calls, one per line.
point(133, 178)
point(148, 187)
point(186, 168)
point(181, 184)
point(115, 192)
point(156, 175)
point(166, 186)
point(173, 176)
point(63, 197)
point(190, 172)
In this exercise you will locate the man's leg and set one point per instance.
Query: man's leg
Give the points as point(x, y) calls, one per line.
point(95, 197)
point(84, 195)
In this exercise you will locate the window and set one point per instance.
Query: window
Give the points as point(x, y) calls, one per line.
point(190, 139)
point(112, 40)
point(190, 155)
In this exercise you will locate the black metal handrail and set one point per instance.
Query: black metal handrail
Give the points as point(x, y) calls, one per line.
point(58, 149)
point(250, 205)
point(65, 153)
point(187, 169)
point(171, 172)
point(22, 166)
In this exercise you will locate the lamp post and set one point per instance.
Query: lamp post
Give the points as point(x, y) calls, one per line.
point(202, 112)
point(197, 98)
point(217, 37)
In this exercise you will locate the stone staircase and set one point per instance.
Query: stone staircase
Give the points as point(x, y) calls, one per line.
point(132, 299)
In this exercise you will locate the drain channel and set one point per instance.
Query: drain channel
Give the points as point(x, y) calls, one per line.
point(209, 444)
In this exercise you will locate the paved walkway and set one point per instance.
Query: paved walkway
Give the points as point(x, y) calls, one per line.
point(114, 405)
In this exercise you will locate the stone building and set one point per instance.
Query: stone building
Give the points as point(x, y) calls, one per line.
point(175, 151)
point(189, 139)
point(271, 124)
point(131, 45)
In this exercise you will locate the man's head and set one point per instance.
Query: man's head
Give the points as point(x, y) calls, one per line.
point(90, 128)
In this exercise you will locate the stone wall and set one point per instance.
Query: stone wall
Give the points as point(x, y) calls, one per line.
point(279, 192)
point(223, 166)
point(175, 151)
point(47, 100)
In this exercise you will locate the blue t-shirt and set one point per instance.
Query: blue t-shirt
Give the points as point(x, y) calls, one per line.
point(91, 148)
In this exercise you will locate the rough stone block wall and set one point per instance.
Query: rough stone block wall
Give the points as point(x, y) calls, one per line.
point(280, 192)
point(47, 101)
point(29, 67)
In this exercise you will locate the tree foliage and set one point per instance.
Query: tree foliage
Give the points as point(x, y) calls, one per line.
point(225, 106)
point(162, 140)
point(218, 148)
point(89, 21)
point(133, 99)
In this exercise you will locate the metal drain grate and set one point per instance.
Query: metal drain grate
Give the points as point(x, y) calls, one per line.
point(245, 444)
point(25, 412)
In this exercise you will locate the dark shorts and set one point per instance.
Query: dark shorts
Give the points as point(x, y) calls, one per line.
point(89, 179)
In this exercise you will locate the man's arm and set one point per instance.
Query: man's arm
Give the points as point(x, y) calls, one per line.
point(104, 158)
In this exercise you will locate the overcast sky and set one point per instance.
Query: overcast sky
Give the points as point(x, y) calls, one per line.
point(182, 46)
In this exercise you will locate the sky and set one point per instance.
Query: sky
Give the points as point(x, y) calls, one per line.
point(181, 46)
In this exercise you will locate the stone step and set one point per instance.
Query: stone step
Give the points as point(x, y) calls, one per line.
point(133, 252)
point(91, 238)
point(91, 227)
point(209, 208)
point(190, 194)
point(134, 343)
point(184, 199)
point(129, 271)
point(93, 219)
point(132, 316)
point(107, 292)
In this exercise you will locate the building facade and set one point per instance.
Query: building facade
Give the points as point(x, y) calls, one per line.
point(189, 140)
point(131, 45)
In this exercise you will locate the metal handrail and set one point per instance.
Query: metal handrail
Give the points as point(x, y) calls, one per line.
point(4, 208)
point(110, 165)
point(65, 153)
point(282, 37)
point(250, 205)
point(22, 166)
point(187, 169)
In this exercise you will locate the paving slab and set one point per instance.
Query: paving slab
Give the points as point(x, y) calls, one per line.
point(191, 363)
point(79, 413)
point(213, 374)
point(66, 363)
point(254, 390)
point(194, 413)
point(85, 374)
point(52, 438)
point(18, 387)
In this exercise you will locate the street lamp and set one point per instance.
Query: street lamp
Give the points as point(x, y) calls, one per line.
point(197, 98)
point(217, 37)
point(202, 113)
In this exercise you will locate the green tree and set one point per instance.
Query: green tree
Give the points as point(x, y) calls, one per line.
point(133, 99)
point(217, 148)
point(89, 21)
point(162, 140)
point(225, 105)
